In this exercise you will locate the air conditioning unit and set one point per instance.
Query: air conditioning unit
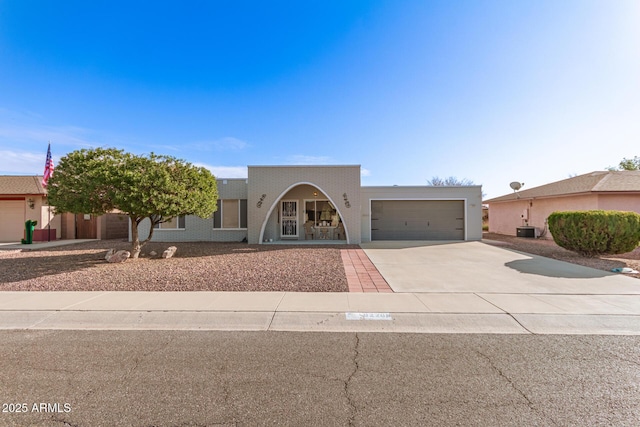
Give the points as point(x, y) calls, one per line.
point(531, 232)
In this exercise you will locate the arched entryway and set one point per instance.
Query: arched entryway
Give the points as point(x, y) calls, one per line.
point(303, 212)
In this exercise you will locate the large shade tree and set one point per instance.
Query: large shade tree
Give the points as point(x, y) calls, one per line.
point(157, 187)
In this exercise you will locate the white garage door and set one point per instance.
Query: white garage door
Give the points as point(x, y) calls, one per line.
point(417, 220)
point(11, 220)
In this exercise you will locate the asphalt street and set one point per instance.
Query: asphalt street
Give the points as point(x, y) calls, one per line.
point(184, 378)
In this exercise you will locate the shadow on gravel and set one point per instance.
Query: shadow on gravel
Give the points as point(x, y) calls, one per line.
point(18, 269)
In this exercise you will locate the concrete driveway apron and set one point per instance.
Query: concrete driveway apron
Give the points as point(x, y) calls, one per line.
point(544, 295)
point(481, 268)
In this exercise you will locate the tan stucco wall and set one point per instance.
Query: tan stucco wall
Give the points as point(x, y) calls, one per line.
point(505, 217)
point(45, 216)
point(274, 182)
point(619, 202)
point(472, 195)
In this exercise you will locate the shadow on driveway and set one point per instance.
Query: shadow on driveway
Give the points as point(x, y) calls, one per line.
point(555, 268)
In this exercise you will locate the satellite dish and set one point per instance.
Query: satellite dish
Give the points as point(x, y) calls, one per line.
point(516, 185)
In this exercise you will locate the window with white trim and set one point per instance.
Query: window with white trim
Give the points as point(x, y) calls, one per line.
point(177, 223)
point(231, 214)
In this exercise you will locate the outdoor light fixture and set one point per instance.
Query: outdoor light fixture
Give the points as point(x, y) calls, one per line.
point(31, 203)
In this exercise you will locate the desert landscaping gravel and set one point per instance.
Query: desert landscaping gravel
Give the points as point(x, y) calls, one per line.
point(201, 266)
point(208, 266)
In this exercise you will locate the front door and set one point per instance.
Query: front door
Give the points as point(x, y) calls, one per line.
point(289, 220)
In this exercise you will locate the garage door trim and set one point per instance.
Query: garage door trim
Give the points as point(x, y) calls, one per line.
point(462, 199)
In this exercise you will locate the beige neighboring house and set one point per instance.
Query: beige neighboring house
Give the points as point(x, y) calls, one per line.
point(24, 198)
point(525, 212)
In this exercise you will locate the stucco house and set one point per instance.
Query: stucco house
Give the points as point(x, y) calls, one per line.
point(530, 208)
point(24, 198)
point(327, 203)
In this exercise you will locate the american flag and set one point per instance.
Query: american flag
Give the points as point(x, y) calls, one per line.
point(48, 168)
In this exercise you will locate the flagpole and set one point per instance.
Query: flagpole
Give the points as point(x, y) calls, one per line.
point(49, 211)
point(47, 173)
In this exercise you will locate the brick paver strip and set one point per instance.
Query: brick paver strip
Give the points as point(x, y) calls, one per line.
point(362, 275)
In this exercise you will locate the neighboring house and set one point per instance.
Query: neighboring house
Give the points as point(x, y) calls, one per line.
point(327, 203)
point(605, 190)
point(24, 198)
point(85, 226)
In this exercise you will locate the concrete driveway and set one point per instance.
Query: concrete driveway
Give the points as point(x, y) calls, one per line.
point(476, 267)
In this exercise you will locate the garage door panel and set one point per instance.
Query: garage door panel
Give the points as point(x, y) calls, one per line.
point(417, 220)
point(11, 220)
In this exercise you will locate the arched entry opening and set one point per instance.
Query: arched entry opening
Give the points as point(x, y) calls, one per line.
point(304, 212)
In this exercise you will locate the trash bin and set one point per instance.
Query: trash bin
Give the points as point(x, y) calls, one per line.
point(29, 227)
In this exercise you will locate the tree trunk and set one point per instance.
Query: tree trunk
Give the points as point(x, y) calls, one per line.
point(136, 245)
point(135, 239)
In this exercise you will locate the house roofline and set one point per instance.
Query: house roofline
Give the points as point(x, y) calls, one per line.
point(556, 196)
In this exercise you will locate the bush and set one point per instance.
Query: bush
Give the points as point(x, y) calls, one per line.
point(592, 233)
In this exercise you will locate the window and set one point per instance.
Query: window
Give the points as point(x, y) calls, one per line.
point(321, 212)
point(231, 213)
point(176, 223)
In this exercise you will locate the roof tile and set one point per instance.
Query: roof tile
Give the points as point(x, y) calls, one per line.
point(13, 184)
point(598, 181)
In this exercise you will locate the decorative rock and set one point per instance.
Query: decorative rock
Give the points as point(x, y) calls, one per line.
point(168, 253)
point(109, 254)
point(119, 256)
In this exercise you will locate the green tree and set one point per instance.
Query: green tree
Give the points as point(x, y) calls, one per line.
point(627, 165)
point(157, 187)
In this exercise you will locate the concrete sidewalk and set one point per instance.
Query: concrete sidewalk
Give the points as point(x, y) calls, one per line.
point(432, 312)
point(440, 287)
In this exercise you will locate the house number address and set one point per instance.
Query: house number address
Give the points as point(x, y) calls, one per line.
point(346, 200)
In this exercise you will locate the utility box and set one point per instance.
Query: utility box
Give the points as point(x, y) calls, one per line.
point(526, 232)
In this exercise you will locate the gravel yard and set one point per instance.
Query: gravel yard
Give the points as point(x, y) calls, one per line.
point(207, 266)
point(549, 249)
point(201, 266)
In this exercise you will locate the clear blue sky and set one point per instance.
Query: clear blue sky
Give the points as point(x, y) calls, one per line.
point(492, 91)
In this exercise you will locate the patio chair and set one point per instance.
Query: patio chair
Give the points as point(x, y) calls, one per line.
point(324, 233)
point(309, 230)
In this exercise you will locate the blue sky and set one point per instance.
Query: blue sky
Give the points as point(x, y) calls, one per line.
point(491, 91)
